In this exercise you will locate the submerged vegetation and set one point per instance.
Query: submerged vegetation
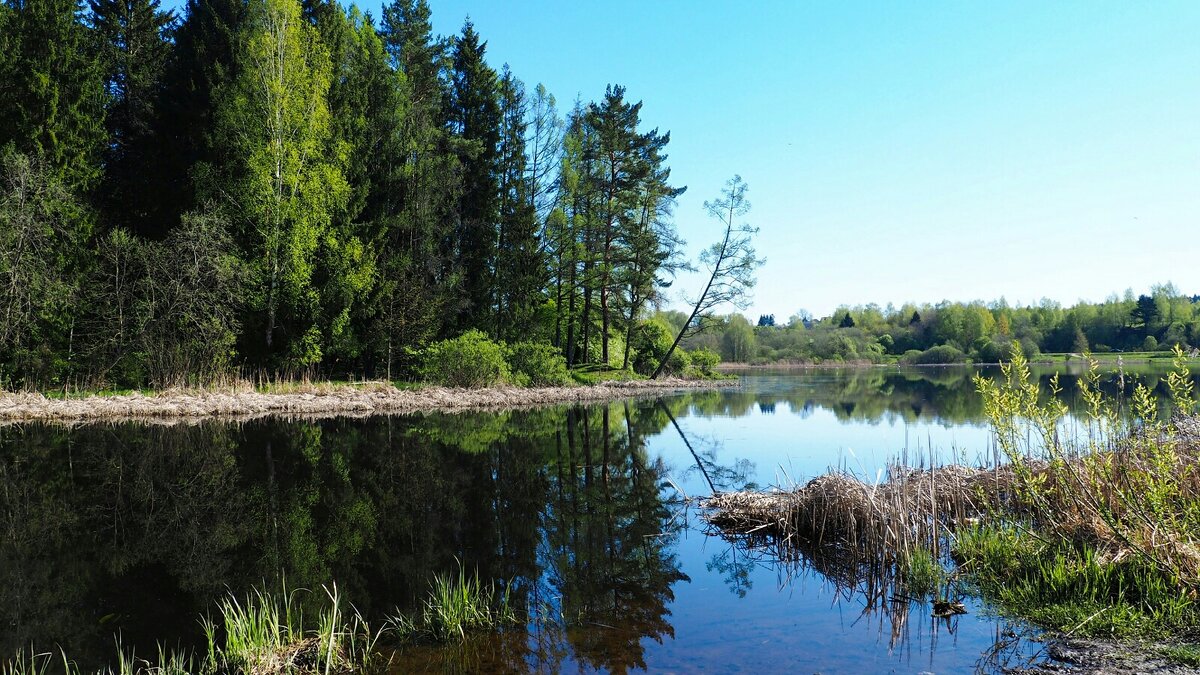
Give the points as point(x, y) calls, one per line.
point(1086, 524)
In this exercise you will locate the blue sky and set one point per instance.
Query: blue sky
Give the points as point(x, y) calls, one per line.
point(904, 151)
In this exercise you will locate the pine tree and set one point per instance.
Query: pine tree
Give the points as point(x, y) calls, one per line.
point(418, 282)
point(621, 153)
point(520, 264)
point(544, 144)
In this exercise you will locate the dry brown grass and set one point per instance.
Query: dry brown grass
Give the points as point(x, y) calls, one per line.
point(912, 508)
point(242, 400)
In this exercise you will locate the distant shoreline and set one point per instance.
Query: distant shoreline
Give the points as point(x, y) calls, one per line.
point(1106, 359)
point(320, 400)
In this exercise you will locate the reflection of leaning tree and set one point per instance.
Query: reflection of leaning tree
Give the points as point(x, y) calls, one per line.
point(730, 262)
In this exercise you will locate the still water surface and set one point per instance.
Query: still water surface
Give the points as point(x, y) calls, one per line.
point(134, 530)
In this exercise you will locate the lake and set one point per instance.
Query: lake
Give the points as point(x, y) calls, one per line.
point(586, 514)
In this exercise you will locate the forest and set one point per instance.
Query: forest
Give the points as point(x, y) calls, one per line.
point(299, 187)
point(957, 332)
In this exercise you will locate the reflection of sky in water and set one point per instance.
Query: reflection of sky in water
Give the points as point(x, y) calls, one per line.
point(807, 443)
point(760, 621)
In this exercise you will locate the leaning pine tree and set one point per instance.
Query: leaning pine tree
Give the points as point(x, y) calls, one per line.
point(730, 262)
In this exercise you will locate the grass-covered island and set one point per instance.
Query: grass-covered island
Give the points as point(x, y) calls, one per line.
point(1088, 527)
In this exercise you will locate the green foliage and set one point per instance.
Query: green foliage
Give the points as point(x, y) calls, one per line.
point(1112, 517)
point(1183, 654)
point(284, 177)
point(1069, 587)
point(650, 341)
point(469, 360)
point(459, 604)
point(939, 355)
point(921, 573)
point(538, 364)
point(44, 233)
point(52, 89)
point(704, 361)
point(986, 331)
point(134, 37)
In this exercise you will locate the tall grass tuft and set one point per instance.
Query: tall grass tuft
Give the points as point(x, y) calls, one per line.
point(461, 603)
point(457, 605)
point(259, 634)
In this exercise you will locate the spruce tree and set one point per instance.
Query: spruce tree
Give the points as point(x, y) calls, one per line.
point(134, 46)
point(474, 114)
point(201, 63)
point(51, 90)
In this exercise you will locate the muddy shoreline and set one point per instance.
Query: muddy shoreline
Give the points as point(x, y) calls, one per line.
point(1100, 657)
point(321, 401)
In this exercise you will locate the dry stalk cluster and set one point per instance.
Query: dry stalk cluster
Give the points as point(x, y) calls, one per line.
point(875, 525)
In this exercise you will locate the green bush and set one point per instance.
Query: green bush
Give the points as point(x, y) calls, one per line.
point(939, 355)
point(1150, 343)
point(679, 362)
point(469, 360)
point(650, 341)
point(537, 364)
point(704, 361)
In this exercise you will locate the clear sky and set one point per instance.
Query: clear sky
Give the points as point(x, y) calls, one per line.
point(904, 150)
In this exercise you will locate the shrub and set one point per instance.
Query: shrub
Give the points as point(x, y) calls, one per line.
point(650, 341)
point(538, 364)
point(1150, 344)
point(1029, 347)
point(704, 361)
point(469, 360)
point(939, 355)
point(679, 362)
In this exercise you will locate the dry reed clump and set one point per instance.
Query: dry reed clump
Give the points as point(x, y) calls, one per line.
point(886, 521)
point(315, 400)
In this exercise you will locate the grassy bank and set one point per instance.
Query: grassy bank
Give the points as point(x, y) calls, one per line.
point(1087, 526)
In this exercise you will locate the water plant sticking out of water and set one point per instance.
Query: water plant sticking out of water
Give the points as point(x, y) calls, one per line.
point(261, 634)
point(458, 604)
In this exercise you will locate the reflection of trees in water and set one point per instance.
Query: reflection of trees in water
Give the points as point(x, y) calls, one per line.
point(609, 543)
point(944, 395)
point(138, 529)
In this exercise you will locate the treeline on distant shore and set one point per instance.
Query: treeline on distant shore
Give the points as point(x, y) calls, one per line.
point(950, 332)
point(287, 186)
